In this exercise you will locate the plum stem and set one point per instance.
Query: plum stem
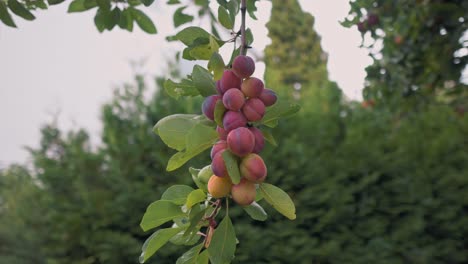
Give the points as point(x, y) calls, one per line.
point(243, 9)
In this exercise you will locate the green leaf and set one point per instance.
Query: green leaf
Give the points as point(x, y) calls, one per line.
point(106, 19)
point(216, 65)
point(5, 16)
point(269, 137)
point(195, 197)
point(180, 18)
point(173, 2)
point(104, 4)
point(279, 199)
point(233, 7)
point(194, 172)
point(219, 111)
point(20, 10)
point(198, 139)
point(81, 5)
point(158, 213)
point(184, 88)
point(156, 241)
point(249, 37)
point(251, 8)
point(126, 20)
point(143, 21)
point(223, 243)
point(55, 2)
point(234, 54)
point(181, 239)
point(191, 256)
point(278, 110)
point(195, 216)
point(173, 129)
point(177, 194)
point(189, 35)
point(224, 18)
point(203, 49)
point(203, 81)
point(232, 166)
point(203, 258)
point(147, 2)
point(256, 211)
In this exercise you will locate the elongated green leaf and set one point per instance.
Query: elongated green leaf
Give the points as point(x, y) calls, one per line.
point(191, 256)
point(203, 258)
point(219, 111)
point(196, 196)
point(174, 128)
point(269, 137)
point(279, 200)
point(184, 88)
point(55, 2)
point(147, 2)
point(203, 49)
point(81, 5)
point(190, 34)
point(203, 81)
point(5, 16)
point(158, 213)
point(156, 241)
point(126, 20)
point(198, 139)
point(251, 8)
point(279, 110)
point(20, 10)
point(195, 216)
point(224, 18)
point(177, 194)
point(256, 211)
point(232, 166)
point(233, 7)
point(194, 172)
point(223, 243)
point(143, 21)
point(180, 18)
point(216, 65)
point(104, 4)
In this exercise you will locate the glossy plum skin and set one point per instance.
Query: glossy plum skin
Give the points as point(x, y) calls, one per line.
point(229, 80)
point(217, 147)
point(233, 120)
point(209, 104)
point(244, 192)
point(268, 97)
point(252, 87)
point(243, 66)
point(259, 139)
point(218, 166)
point(253, 109)
point(253, 168)
point(241, 141)
point(233, 99)
point(219, 187)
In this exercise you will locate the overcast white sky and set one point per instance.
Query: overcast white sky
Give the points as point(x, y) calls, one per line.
point(60, 63)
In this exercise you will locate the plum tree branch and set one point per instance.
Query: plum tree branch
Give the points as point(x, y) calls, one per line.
point(243, 9)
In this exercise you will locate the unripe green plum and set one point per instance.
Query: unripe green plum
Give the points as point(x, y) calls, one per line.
point(205, 174)
point(252, 87)
point(259, 139)
point(241, 141)
point(233, 99)
point(209, 104)
point(221, 133)
point(268, 97)
point(219, 187)
point(243, 66)
point(253, 109)
point(229, 80)
point(253, 168)
point(244, 192)
point(218, 165)
point(233, 120)
point(217, 147)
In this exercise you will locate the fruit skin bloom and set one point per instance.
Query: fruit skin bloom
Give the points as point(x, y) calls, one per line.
point(243, 66)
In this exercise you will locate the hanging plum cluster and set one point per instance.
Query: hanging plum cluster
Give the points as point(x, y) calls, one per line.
point(243, 100)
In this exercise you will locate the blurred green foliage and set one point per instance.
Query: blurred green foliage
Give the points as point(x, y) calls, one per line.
point(370, 185)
